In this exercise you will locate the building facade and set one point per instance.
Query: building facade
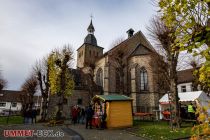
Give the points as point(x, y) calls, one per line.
point(186, 81)
point(129, 68)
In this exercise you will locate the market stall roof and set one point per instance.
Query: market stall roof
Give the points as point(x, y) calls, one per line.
point(187, 96)
point(112, 97)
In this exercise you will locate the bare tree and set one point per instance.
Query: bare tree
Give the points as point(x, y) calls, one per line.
point(118, 60)
point(116, 42)
point(41, 69)
point(165, 39)
point(29, 88)
point(3, 83)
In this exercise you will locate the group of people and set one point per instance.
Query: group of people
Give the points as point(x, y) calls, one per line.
point(188, 112)
point(29, 116)
point(79, 115)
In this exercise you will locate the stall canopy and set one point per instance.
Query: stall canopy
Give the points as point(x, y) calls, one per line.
point(187, 96)
point(199, 96)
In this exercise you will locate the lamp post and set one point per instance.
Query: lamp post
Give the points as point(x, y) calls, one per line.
point(169, 101)
point(9, 112)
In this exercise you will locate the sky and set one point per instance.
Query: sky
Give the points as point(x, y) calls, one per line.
point(30, 29)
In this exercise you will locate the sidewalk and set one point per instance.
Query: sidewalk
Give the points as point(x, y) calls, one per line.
point(71, 132)
point(106, 134)
point(68, 133)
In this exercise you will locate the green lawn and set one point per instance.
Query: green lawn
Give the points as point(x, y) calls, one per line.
point(160, 130)
point(12, 120)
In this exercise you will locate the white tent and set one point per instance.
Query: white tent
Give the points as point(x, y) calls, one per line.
point(197, 96)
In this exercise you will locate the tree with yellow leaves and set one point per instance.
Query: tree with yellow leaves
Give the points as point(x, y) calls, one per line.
point(60, 78)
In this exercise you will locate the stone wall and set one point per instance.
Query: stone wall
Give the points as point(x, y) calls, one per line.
point(71, 101)
point(143, 100)
point(88, 54)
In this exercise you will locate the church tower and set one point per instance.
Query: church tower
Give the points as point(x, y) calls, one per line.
point(89, 52)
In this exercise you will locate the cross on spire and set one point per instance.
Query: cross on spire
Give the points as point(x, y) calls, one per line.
point(91, 16)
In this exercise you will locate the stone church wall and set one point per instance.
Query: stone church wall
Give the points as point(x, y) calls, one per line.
point(145, 101)
point(78, 97)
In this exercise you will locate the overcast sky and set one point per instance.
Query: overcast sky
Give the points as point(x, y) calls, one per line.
point(30, 29)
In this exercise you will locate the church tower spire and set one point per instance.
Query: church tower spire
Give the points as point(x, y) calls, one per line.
point(91, 28)
point(90, 38)
point(89, 52)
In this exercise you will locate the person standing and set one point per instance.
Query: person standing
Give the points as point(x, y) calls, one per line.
point(82, 115)
point(74, 115)
point(34, 113)
point(89, 114)
point(191, 111)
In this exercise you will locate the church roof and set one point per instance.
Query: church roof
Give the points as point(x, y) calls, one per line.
point(139, 33)
point(90, 39)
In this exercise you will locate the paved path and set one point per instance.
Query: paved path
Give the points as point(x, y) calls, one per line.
point(71, 132)
point(68, 134)
point(106, 134)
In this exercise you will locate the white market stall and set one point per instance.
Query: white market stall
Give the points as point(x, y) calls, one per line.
point(198, 97)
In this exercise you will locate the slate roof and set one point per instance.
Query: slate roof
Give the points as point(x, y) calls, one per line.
point(140, 34)
point(91, 28)
point(10, 96)
point(185, 76)
point(90, 39)
point(113, 97)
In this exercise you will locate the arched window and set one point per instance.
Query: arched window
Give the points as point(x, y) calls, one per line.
point(143, 79)
point(99, 77)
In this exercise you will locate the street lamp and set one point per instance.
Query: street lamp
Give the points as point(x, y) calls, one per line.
point(169, 101)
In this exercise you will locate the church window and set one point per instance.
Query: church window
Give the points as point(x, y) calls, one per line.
point(90, 52)
point(99, 77)
point(143, 80)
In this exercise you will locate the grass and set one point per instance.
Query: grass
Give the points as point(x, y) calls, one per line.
point(160, 130)
point(12, 120)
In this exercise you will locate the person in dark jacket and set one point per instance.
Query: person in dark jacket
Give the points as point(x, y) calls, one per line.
point(34, 113)
point(89, 114)
point(82, 115)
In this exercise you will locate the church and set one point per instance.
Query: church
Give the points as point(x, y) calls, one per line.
point(129, 68)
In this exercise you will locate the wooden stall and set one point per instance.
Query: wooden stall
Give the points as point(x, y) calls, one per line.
point(118, 109)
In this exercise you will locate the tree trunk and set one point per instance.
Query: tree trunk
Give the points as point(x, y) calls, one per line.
point(61, 95)
point(44, 109)
point(44, 93)
point(121, 81)
point(60, 107)
point(175, 110)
